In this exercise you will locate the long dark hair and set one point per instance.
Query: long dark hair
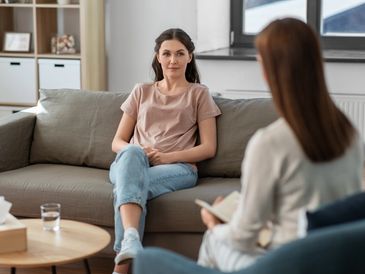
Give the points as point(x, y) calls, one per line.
point(293, 65)
point(191, 73)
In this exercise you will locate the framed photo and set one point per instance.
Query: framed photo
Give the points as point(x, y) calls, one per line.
point(17, 41)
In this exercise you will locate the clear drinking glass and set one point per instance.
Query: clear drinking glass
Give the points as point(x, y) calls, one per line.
point(51, 216)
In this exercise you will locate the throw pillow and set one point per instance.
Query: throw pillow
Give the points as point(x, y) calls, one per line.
point(240, 119)
point(76, 127)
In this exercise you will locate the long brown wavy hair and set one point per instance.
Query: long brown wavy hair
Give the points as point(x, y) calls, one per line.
point(191, 72)
point(293, 67)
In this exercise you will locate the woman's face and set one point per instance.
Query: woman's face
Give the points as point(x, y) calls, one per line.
point(173, 57)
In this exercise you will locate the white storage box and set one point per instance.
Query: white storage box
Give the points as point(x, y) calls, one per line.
point(59, 73)
point(18, 81)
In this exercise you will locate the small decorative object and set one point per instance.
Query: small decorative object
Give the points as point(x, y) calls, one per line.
point(4, 209)
point(17, 41)
point(63, 44)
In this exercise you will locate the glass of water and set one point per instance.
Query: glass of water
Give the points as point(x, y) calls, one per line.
point(51, 215)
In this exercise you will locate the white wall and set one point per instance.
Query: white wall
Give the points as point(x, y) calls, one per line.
point(132, 26)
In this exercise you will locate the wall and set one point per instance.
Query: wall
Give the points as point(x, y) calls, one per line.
point(132, 26)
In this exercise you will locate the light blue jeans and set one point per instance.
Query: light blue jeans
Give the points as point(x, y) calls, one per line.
point(135, 181)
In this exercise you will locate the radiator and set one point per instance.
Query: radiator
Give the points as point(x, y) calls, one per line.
point(353, 105)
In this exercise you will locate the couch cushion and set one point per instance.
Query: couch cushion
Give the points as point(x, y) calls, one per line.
point(177, 211)
point(240, 119)
point(76, 127)
point(86, 195)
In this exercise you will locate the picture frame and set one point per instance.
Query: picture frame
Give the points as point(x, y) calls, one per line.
point(17, 41)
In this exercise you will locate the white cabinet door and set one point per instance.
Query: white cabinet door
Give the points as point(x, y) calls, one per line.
point(18, 81)
point(59, 73)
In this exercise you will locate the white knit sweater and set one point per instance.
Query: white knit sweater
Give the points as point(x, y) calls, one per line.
point(279, 182)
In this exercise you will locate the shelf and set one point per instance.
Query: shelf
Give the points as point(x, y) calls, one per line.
point(17, 54)
point(59, 56)
point(56, 6)
point(15, 105)
point(45, 19)
point(17, 5)
point(66, 23)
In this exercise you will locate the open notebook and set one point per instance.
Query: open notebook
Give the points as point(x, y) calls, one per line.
point(224, 212)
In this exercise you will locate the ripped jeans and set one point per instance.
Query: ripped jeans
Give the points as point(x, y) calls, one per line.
point(135, 181)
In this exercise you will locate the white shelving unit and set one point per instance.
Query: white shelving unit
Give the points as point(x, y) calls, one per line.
point(84, 19)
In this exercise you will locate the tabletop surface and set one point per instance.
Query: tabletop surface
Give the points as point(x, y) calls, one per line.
point(74, 241)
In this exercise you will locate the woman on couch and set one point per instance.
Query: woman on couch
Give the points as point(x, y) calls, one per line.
point(310, 156)
point(156, 139)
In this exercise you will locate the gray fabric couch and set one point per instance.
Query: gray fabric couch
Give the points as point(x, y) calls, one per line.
point(63, 152)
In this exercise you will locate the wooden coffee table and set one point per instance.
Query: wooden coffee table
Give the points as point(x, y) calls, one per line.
point(73, 242)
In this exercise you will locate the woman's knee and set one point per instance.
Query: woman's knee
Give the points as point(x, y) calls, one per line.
point(133, 149)
point(130, 151)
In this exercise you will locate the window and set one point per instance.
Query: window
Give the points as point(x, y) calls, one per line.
point(340, 24)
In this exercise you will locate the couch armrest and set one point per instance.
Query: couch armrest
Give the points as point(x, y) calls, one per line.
point(16, 133)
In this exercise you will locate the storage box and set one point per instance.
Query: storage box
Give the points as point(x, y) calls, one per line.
point(13, 235)
point(18, 81)
point(59, 73)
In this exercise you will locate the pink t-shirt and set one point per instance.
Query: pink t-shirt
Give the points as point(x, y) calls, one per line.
point(168, 122)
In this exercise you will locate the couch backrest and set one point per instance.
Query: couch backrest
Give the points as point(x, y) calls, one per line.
point(77, 128)
point(240, 119)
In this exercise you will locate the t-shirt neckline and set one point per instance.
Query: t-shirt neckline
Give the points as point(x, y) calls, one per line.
point(172, 95)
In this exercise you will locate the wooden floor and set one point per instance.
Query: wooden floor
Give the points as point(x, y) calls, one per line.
point(97, 266)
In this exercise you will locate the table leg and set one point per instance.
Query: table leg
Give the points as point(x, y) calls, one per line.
point(13, 270)
point(87, 267)
point(53, 269)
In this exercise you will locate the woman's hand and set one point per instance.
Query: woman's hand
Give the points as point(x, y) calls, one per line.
point(208, 218)
point(147, 149)
point(156, 157)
